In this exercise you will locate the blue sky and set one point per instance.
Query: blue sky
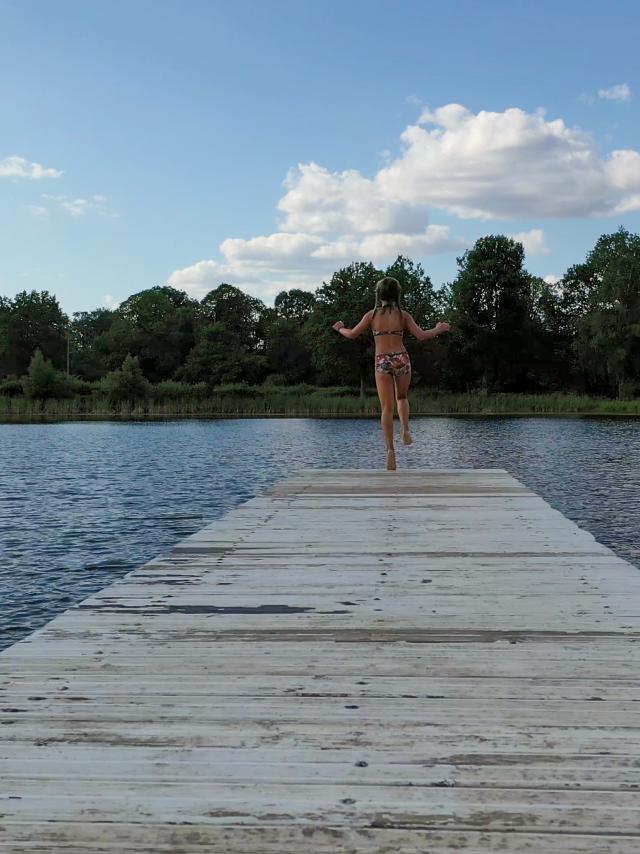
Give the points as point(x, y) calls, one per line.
point(148, 142)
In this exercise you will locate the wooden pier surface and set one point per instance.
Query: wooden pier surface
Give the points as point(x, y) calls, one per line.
point(356, 661)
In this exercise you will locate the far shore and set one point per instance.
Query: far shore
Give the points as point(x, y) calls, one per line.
point(310, 402)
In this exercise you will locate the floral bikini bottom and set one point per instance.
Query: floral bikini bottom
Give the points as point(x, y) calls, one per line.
point(397, 364)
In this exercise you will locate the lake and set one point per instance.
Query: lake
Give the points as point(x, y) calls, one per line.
point(81, 504)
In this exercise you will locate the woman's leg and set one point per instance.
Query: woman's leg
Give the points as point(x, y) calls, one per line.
point(402, 390)
point(384, 384)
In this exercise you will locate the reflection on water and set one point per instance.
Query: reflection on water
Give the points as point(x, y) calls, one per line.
point(81, 504)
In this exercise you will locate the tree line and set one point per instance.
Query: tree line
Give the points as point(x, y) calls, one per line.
point(511, 331)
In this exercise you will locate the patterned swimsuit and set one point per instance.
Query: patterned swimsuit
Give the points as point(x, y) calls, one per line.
point(397, 363)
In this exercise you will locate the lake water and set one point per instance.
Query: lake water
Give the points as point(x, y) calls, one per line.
point(81, 504)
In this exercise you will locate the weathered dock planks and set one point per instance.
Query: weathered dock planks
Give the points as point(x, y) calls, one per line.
point(355, 661)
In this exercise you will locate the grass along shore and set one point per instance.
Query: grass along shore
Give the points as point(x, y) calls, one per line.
point(305, 401)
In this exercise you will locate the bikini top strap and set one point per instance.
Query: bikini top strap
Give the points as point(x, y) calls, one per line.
point(389, 331)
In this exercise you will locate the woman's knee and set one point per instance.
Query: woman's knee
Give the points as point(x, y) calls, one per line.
point(401, 395)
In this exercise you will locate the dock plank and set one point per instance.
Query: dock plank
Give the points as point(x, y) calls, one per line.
point(354, 661)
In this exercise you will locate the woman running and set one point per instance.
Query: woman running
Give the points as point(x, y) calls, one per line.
point(388, 321)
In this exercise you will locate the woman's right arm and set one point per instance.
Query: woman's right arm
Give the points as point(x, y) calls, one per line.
point(424, 334)
point(358, 329)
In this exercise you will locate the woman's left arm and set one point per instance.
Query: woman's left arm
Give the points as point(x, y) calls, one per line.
point(358, 329)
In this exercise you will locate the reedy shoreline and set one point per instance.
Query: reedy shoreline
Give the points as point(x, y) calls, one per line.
point(306, 401)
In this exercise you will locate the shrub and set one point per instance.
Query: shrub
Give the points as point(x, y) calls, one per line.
point(239, 390)
point(11, 387)
point(44, 381)
point(127, 383)
point(79, 386)
point(275, 380)
point(171, 390)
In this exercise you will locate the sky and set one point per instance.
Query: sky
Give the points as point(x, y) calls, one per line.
point(268, 143)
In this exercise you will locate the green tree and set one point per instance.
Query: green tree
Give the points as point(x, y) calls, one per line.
point(607, 325)
point(29, 322)
point(552, 363)
point(494, 324)
point(230, 339)
point(242, 315)
point(220, 356)
point(157, 325)
point(89, 357)
point(5, 325)
point(287, 351)
point(295, 305)
point(347, 296)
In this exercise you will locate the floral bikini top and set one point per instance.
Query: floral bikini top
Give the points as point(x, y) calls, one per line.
point(388, 332)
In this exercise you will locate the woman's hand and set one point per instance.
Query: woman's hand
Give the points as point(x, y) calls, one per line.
point(338, 326)
point(442, 327)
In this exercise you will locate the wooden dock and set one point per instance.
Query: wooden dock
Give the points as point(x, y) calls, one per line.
point(356, 661)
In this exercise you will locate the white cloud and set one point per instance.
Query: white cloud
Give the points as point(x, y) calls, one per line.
point(533, 241)
point(387, 246)
point(79, 206)
point(268, 264)
point(318, 201)
point(76, 207)
point(512, 164)
point(552, 279)
point(283, 246)
point(110, 302)
point(262, 280)
point(507, 165)
point(619, 92)
point(37, 211)
point(18, 167)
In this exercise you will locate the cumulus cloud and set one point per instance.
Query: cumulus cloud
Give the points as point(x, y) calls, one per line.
point(386, 246)
point(507, 165)
point(263, 280)
point(318, 201)
point(619, 92)
point(19, 167)
point(512, 164)
point(268, 264)
point(110, 302)
point(552, 279)
point(533, 241)
point(282, 246)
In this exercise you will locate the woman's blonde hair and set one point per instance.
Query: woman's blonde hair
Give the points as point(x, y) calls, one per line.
point(389, 290)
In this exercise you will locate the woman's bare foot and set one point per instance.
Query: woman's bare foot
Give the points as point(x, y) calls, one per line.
point(391, 460)
point(407, 438)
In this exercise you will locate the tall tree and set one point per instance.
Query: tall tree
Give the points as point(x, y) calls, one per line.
point(494, 325)
point(219, 356)
point(158, 326)
point(347, 296)
point(295, 304)
point(29, 322)
point(607, 339)
point(288, 351)
point(88, 359)
point(230, 339)
point(241, 314)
